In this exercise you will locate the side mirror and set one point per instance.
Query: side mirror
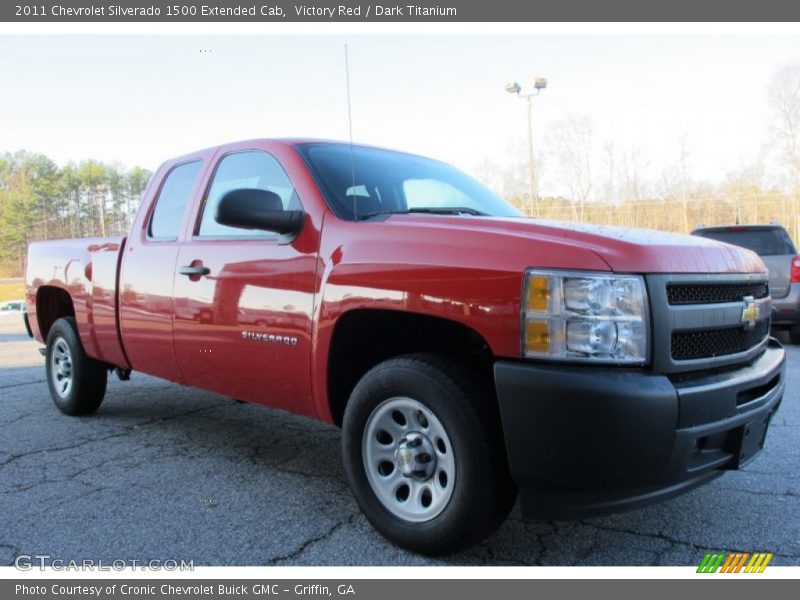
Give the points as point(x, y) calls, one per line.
point(258, 209)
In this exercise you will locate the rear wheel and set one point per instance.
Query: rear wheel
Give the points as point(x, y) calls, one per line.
point(424, 454)
point(77, 382)
point(794, 334)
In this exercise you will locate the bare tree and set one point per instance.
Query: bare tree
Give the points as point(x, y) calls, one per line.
point(683, 163)
point(745, 185)
point(676, 182)
point(784, 99)
point(610, 168)
point(488, 172)
point(513, 179)
point(572, 150)
point(634, 172)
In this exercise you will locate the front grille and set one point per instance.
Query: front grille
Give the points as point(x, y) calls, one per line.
point(688, 345)
point(715, 292)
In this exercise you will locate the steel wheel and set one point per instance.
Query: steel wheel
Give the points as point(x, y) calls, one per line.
point(61, 367)
point(408, 459)
point(77, 382)
point(422, 451)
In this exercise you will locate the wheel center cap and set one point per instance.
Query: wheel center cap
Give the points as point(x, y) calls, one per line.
point(404, 459)
point(415, 456)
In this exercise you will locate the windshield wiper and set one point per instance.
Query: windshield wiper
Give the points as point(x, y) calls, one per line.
point(432, 210)
point(448, 210)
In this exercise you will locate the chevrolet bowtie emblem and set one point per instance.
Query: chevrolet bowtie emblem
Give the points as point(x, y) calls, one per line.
point(749, 312)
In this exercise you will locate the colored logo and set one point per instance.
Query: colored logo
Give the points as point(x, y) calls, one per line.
point(749, 312)
point(734, 562)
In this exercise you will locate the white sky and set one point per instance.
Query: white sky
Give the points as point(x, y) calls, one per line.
point(142, 99)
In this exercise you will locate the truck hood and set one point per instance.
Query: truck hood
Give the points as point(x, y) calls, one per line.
point(622, 249)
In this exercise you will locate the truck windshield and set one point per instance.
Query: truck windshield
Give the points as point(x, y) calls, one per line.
point(368, 182)
point(769, 241)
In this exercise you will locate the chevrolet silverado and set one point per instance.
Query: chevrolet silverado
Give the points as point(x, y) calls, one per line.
point(470, 355)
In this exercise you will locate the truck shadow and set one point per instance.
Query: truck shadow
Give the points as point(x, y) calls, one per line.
point(241, 476)
point(272, 445)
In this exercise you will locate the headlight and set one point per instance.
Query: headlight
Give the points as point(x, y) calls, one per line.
point(600, 317)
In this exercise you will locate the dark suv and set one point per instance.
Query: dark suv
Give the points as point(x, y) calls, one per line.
point(773, 244)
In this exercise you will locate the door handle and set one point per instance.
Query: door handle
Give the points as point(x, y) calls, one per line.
point(194, 270)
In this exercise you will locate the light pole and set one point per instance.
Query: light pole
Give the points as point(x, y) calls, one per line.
point(539, 84)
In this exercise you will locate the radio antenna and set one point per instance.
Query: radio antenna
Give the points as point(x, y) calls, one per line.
point(350, 125)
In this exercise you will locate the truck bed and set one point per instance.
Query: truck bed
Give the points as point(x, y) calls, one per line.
point(87, 270)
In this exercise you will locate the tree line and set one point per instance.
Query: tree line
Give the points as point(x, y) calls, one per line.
point(40, 200)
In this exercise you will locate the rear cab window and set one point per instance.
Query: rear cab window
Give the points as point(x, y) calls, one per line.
point(768, 241)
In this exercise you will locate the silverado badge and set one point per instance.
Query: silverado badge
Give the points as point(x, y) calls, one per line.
point(288, 340)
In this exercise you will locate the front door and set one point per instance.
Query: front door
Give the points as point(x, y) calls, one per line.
point(244, 299)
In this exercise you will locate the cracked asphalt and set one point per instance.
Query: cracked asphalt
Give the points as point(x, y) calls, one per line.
point(166, 472)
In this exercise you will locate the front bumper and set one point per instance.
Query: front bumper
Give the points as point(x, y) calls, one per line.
point(583, 441)
point(786, 310)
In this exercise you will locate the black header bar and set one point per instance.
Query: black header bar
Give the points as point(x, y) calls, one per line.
point(429, 11)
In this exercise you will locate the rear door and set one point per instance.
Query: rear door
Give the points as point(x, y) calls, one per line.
point(780, 274)
point(244, 299)
point(148, 270)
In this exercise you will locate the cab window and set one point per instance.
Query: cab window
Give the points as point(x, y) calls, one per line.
point(165, 222)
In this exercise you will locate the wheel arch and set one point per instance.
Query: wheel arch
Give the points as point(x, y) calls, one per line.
point(52, 303)
point(365, 337)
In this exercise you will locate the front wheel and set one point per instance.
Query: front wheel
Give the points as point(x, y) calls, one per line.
point(77, 382)
point(424, 454)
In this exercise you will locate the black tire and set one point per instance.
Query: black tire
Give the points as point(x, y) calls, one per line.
point(88, 377)
point(483, 492)
point(794, 335)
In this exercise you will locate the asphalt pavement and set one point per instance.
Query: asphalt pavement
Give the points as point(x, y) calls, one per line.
point(169, 473)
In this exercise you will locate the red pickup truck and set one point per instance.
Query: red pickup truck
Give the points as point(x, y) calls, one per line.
point(469, 355)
